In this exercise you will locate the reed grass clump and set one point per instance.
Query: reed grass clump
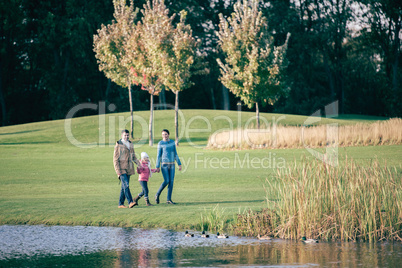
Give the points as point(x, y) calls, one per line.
point(253, 223)
point(387, 132)
point(215, 220)
point(347, 203)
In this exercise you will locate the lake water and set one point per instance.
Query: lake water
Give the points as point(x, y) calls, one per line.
point(77, 246)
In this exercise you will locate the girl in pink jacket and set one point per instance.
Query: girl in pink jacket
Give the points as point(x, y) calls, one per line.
point(145, 172)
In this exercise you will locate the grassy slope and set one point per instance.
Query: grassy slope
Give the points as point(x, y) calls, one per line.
point(45, 179)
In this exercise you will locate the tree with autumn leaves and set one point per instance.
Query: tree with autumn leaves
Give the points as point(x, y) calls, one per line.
point(253, 67)
point(156, 53)
point(152, 52)
point(181, 60)
point(110, 47)
point(154, 32)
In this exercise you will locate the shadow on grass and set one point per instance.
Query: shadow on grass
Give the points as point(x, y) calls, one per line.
point(20, 132)
point(193, 139)
point(21, 143)
point(218, 202)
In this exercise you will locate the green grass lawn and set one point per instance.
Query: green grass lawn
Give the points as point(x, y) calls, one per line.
point(45, 179)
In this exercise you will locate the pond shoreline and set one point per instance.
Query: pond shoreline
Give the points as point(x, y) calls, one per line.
point(83, 246)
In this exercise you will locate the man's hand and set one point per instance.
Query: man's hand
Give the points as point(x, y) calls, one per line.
point(158, 170)
point(179, 168)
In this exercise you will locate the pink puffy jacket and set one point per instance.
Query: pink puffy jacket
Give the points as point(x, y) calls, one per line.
point(144, 171)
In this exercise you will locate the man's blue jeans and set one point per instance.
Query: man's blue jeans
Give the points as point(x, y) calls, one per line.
point(168, 180)
point(125, 189)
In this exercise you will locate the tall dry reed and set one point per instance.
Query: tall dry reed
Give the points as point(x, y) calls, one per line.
point(315, 200)
point(380, 133)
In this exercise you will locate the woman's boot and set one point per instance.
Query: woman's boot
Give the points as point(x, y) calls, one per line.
point(157, 199)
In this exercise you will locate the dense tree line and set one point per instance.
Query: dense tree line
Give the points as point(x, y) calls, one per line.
point(339, 50)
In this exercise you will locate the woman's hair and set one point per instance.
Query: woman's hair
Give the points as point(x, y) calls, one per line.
point(167, 131)
point(125, 131)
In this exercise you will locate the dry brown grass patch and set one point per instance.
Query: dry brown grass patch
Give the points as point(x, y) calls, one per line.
point(379, 133)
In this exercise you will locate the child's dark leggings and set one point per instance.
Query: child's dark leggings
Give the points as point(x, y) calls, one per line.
point(144, 185)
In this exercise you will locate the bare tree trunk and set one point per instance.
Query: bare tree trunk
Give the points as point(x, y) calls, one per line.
point(108, 87)
point(395, 86)
point(225, 95)
point(213, 98)
point(395, 79)
point(151, 120)
point(131, 107)
point(162, 100)
point(257, 111)
point(330, 76)
point(176, 118)
point(3, 105)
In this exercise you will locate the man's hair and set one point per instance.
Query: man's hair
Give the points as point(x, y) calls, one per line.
point(167, 131)
point(125, 131)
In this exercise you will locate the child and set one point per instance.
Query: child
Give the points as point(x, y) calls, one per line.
point(145, 172)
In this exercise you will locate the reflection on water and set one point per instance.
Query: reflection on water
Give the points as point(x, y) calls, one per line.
point(38, 246)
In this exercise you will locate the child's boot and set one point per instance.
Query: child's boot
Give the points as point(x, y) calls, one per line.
point(136, 200)
point(148, 203)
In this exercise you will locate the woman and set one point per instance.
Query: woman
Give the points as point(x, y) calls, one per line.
point(166, 156)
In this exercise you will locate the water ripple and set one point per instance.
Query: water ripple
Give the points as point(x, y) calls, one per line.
point(30, 240)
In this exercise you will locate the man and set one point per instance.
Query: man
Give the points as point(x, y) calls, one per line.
point(123, 158)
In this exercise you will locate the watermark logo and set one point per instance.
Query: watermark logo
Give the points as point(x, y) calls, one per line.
point(102, 132)
point(237, 160)
point(330, 156)
point(110, 125)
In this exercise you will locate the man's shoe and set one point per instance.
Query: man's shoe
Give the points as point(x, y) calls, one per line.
point(132, 204)
point(157, 199)
point(122, 206)
point(170, 202)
